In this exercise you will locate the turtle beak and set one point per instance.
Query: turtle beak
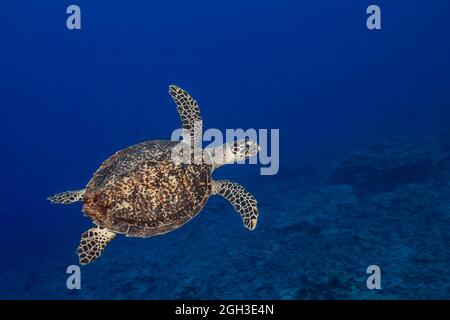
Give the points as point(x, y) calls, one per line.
point(253, 148)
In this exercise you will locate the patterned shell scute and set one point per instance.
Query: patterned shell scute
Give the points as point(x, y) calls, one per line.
point(140, 192)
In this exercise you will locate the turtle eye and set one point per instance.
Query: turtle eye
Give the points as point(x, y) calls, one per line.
point(236, 147)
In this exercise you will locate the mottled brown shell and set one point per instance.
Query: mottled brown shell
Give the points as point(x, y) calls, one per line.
point(140, 192)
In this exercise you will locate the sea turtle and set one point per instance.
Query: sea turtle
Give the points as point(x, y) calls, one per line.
point(144, 191)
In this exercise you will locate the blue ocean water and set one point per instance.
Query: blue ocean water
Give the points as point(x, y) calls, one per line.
point(363, 116)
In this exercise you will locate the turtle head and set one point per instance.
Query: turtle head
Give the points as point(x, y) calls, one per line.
point(239, 150)
point(232, 152)
point(244, 149)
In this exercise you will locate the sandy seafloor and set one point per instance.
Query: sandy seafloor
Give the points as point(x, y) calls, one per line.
point(323, 220)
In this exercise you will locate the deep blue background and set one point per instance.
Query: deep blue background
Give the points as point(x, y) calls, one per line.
point(69, 99)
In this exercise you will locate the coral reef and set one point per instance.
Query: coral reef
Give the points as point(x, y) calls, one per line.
point(386, 203)
point(384, 167)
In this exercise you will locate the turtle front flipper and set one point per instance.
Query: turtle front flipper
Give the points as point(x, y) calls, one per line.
point(191, 118)
point(67, 197)
point(92, 244)
point(242, 201)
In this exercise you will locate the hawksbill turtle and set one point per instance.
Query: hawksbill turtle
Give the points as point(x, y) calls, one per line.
point(144, 191)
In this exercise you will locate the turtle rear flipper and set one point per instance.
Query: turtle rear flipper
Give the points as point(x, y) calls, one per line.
point(67, 197)
point(92, 244)
point(242, 201)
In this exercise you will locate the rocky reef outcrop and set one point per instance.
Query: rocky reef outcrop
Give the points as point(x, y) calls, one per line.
point(383, 167)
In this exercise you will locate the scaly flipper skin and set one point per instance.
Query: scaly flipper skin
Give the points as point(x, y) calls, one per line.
point(92, 244)
point(242, 201)
point(191, 118)
point(67, 197)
